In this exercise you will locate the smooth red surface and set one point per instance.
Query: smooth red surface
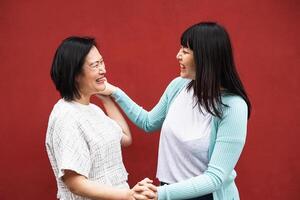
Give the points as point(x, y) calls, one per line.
point(139, 41)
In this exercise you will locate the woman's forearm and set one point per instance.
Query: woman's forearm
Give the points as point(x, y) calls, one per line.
point(81, 186)
point(114, 113)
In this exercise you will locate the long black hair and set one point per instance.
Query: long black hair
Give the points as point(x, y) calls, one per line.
point(215, 69)
point(67, 64)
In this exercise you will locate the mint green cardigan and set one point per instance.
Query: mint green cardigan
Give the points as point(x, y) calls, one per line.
point(228, 137)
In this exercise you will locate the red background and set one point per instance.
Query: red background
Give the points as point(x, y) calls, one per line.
point(139, 41)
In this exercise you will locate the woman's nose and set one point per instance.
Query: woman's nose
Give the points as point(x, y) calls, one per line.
point(178, 56)
point(102, 69)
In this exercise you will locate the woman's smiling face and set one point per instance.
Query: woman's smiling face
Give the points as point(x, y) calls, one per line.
point(92, 78)
point(185, 57)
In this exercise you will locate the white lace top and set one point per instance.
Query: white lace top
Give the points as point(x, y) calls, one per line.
point(83, 139)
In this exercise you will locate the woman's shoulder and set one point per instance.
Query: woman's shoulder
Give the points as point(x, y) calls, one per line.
point(233, 99)
point(234, 103)
point(178, 82)
point(63, 110)
point(63, 106)
point(61, 117)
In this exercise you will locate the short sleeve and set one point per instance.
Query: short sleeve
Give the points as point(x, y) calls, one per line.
point(70, 149)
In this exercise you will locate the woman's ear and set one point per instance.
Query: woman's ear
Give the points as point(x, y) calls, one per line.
point(77, 81)
point(78, 78)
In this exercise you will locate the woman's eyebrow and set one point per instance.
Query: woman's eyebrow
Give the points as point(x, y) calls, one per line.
point(95, 62)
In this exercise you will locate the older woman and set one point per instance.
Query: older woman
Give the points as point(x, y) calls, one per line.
point(84, 144)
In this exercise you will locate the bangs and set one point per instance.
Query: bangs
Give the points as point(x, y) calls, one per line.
point(186, 39)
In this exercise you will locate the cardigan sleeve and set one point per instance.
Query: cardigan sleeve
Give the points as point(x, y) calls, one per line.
point(147, 120)
point(230, 140)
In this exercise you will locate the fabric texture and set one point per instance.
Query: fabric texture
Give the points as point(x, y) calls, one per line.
point(83, 139)
point(227, 140)
point(184, 140)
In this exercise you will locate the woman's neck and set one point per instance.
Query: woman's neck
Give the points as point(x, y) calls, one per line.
point(84, 99)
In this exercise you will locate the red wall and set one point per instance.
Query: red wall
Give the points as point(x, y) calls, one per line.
point(139, 41)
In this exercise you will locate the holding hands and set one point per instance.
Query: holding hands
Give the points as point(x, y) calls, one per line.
point(144, 190)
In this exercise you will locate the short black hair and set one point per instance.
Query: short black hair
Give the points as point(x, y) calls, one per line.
point(67, 65)
point(215, 67)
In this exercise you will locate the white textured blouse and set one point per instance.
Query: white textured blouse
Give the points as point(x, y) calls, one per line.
point(83, 139)
point(184, 140)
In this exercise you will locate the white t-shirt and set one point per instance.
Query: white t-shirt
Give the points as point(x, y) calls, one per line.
point(184, 140)
point(83, 139)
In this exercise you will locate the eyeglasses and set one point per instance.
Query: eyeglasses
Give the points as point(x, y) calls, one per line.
point(98, 64)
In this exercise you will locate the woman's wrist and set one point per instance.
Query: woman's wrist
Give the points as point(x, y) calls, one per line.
point(126, 194)
point(110, 89)
point(113, 90)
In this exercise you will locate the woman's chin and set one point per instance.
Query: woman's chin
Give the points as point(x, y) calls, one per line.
point(101, 88)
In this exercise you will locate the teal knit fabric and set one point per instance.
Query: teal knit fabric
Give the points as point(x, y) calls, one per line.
point(227, 141)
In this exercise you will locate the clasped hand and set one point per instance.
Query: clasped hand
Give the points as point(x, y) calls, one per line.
point(144, 190)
